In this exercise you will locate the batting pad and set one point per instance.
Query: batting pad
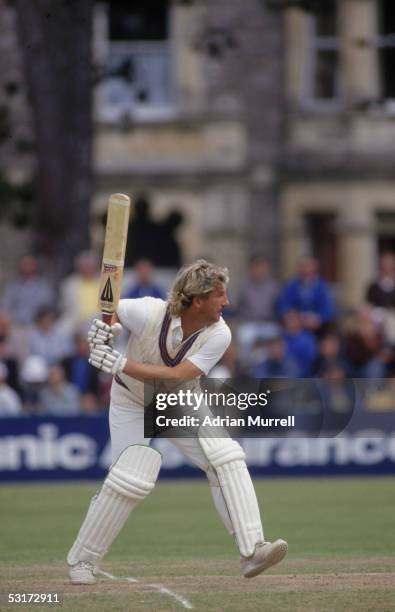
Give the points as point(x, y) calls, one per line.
point(228, 459)
point(129, 481)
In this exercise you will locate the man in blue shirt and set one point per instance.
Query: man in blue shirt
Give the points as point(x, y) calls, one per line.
point(144, 286)
point(309, 294)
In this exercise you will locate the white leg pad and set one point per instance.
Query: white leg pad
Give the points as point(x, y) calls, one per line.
point(129, 481)
point(228, 459)
point(219, 500)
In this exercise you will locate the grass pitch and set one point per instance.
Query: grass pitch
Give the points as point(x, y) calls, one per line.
point(340, 534)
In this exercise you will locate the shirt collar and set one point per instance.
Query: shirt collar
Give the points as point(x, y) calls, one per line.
point(175, 323)
point(177, 331)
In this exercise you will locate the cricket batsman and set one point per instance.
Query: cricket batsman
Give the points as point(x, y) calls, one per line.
point(178, 340)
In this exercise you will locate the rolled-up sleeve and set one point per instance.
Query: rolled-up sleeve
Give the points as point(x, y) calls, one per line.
point(212, 350)
point(133, 314)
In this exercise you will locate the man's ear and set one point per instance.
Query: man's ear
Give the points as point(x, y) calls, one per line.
point(197, 301)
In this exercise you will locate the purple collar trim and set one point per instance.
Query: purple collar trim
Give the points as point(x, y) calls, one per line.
point(173, 361)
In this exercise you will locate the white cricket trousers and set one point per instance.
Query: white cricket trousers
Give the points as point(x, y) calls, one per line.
point(127, 428)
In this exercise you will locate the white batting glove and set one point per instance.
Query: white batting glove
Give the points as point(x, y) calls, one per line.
point(107, 359)
point(101, 333)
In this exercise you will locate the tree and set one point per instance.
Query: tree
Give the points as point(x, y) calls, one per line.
point(55, 39)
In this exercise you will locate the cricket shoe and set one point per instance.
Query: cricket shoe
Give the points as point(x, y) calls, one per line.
point(265, 555)
point(82, 572)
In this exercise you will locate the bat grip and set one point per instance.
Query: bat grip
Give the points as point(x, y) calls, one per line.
point(106, 317)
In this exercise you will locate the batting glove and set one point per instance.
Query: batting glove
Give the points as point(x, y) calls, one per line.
point(101, 333)
point(107, 359)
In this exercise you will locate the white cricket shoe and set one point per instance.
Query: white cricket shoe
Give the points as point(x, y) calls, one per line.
point(265, 555)
point(82, 573)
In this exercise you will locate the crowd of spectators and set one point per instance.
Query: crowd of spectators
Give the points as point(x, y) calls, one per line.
point(292, 329)
point(302, 332)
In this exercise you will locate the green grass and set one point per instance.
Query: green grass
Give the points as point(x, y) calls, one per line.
point(333, 526)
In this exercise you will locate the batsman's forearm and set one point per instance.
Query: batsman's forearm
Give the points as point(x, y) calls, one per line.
point(148, 371)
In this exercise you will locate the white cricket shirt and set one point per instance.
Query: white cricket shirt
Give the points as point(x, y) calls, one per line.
point(134, 315)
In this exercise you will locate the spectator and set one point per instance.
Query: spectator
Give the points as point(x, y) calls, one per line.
point(256, 304)
point(47, 340)
point(58, 397)
point(34, 374)
point(90, 405)
point(381, 291)
point(145, 286)
point(334, 372)
point(300, 343)
point(381, 294)
point(365, 348)
point(24, 296)
point(338, 400)
point(330, 357)
point(78, 301)
point(79, 372)
point(309, 294)
point(8, 351)
point(276, 364)
point(10, 403)
point(258, 293)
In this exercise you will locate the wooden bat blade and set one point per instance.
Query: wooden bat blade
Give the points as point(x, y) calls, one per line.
point(114, 254)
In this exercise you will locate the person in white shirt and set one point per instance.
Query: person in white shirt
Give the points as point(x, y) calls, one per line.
point(10, 403)
point(178, 340)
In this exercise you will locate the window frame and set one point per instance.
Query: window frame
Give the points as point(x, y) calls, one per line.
point(382, 41)
point(315, 44)
point(104, 47)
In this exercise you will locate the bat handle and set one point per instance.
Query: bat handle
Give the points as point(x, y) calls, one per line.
point(106, 317)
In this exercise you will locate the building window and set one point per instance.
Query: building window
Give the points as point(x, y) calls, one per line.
point(321, 231)
point(134, 59)
point(322, 62)
point(386, 47)
point(385, 231)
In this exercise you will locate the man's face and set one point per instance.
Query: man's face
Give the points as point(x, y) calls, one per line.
point(144, 271)
point(309, 268)
point(387, 264)
point(28, 266)
point(259, 269)
point(211, 307)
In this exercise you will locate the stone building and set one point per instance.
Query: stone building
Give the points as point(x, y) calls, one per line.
point(338, 180)
point(273, 131)
point(268, 123)
point(191, 113)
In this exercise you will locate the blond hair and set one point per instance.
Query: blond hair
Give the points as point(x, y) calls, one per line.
point(193, 280)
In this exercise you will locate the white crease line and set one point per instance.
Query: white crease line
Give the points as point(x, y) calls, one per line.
point(115, 577)
point(107, 574)
point(157, 587)
point(183, 600)
point(130, 579)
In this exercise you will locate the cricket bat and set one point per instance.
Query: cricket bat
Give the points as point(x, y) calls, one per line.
point(113, 254)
